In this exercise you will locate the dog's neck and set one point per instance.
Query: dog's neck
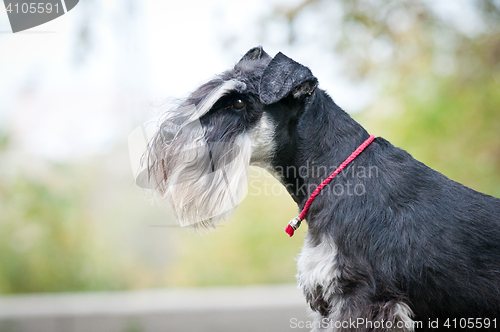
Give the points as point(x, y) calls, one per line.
point(318, 139)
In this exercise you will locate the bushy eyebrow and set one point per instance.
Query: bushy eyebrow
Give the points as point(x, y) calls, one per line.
point(209, 101)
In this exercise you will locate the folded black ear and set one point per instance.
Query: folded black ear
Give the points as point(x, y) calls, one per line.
point(256, 53)
point(282, 77)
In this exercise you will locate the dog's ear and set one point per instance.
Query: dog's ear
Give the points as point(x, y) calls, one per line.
point(282, 77)
point(256, 53)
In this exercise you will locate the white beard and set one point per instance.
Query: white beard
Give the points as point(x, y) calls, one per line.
point(206, 182)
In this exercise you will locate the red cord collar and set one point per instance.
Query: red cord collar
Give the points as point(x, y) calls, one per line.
point(295, 222)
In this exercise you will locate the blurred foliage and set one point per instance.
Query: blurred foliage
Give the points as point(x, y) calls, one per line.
point(451, 127)
point(48, 240)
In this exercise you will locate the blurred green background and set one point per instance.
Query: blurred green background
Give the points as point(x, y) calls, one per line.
point(79, 223)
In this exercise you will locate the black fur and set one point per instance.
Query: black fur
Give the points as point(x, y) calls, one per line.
point(284, 76)
point(415, 235)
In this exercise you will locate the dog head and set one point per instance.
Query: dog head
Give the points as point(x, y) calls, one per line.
point(198, 159)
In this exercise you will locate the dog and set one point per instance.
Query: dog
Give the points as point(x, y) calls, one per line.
point(392, 245)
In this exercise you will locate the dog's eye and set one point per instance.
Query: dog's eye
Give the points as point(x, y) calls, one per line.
point(238, 104)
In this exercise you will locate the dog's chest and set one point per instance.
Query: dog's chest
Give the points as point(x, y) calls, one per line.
point(318, 273)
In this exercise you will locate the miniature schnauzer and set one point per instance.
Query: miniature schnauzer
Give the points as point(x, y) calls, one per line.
point(404, 249)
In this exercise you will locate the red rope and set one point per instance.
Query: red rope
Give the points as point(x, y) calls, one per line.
point(295, 223)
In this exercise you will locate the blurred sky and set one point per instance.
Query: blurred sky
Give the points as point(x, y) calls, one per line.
point(64, 96)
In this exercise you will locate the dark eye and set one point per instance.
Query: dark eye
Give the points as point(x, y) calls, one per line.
point(238, 104)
